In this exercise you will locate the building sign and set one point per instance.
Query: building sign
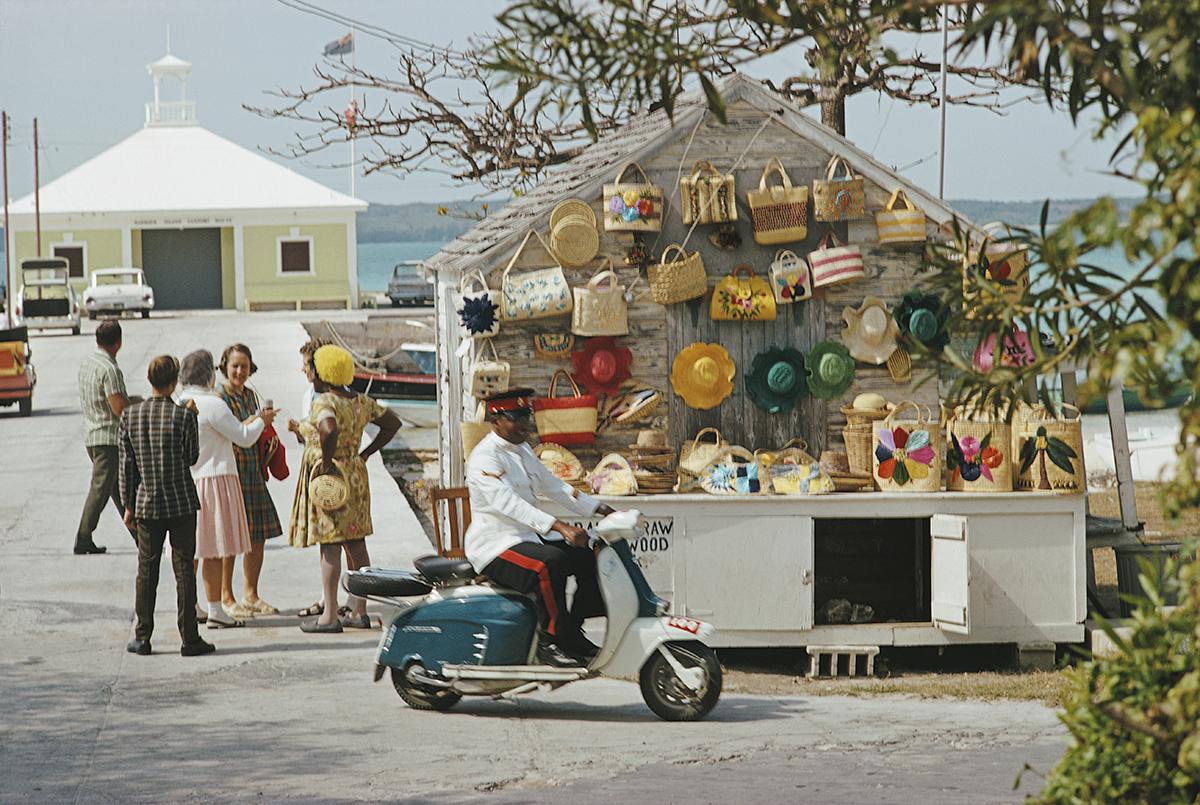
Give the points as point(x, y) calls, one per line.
point(181, 222)
point(652, 549)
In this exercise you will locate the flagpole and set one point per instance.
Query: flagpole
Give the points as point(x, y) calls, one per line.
point(353, 67)
point(942, 109)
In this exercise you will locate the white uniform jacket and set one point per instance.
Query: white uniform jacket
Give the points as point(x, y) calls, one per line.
point(506, 480)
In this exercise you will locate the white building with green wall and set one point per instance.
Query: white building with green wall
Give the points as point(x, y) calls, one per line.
point(212, 224)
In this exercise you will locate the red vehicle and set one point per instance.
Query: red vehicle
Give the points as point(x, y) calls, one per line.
point(17, 377)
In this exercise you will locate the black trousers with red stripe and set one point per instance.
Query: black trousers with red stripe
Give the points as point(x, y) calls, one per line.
point(542, 568)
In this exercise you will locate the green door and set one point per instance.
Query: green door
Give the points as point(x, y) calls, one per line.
point(183, 266)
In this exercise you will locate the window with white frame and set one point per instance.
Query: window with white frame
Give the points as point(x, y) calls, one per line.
point(76, 256)
point(294, 255)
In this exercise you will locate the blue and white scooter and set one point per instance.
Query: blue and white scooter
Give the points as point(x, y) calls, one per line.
point(466, 638)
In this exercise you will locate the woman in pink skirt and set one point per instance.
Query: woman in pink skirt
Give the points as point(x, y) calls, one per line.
point(222, 532)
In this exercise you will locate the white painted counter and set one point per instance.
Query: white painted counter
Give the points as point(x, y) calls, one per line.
point(1005, 568)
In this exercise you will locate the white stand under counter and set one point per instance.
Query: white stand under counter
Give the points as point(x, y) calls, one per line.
point(998, 568)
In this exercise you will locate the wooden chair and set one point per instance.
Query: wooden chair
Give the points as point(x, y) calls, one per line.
point(458, 517)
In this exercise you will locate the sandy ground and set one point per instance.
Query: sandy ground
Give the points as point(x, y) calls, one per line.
point(279, 715)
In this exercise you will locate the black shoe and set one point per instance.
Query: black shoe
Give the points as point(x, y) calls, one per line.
point(91, 547)
point(194, 648)
point(549, 653)
point(136, 646)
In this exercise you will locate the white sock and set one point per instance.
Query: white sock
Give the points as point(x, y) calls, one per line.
point(215, 612)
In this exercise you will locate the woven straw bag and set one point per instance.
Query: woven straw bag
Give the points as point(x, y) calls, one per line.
point(742, 295)
point(565, 420)
point(780, 213)
point(328, 492)
point(600, 309)
point(694, 456)
point(908, 452)
point(573, 235)
point(860, 445)
point(978, 452)
point(536, 294)
point(835, 263)
point(839, 198)
point(734, 471)
point(560, 461)
point(791, 279)
point(900, 225)
point(613, 476)
point(678, 277)
point(793, 471)
point(633, 206)
point(708, 195)
point(489, 375)
point(478, 307)
point(1048, 447)
point(994, 269)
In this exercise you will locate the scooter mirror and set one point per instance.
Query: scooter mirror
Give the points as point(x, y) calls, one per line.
point(619, 525)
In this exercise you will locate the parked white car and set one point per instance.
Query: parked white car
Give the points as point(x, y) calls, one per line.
point(115, 290)
point(46, 300)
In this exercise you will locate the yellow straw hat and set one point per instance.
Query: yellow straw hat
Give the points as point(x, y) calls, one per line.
point(702, 374)
point(334, 365)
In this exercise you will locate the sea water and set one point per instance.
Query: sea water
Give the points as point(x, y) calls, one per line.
point(375, 260)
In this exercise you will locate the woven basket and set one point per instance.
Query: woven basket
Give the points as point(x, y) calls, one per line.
point(678, 277)
point(859, 446)
point(328, 492)
point(1044, 473)
point(600, 307)
point(613, 476)
point(472, 434)
point(694, 456)
point(572, 206)
point(978, 457)
point(864, 416)
point(566, 420)
point(560, 461)
point(574, 239)
point(917, 465)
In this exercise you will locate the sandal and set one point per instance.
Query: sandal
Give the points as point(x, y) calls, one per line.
point(314, 627)
point(213, 623)
point(260, 607)
point(362, 621)
point(312, 610)
point(239, 612)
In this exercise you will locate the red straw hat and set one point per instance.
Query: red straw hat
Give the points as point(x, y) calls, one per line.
point(601, 366)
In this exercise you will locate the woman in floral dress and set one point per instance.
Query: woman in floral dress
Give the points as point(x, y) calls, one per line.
point(332, 435)
point(238, 365)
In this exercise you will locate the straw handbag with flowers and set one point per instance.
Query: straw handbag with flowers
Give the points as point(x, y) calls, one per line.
point(613, 476)
point(488, 375)
point(995, 269)
point(792, 471)
point(633, 206)
point(600, 307)
point(839, 198)
point(534, 294)
point(1049, 446)
point(560, 461)
point(742, 296)
point(677, 277)
point(977, 451)
point(734, 471)
point(908, 454)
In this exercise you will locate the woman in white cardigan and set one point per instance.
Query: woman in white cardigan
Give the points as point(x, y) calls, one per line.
point(221, 530)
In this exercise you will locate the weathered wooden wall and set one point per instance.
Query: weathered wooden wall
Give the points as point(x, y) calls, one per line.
point(657, 334)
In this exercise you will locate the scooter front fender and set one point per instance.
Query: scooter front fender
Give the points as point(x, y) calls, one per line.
point(645, 635)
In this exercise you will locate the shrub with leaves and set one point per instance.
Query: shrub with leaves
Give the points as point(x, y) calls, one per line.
point(1135, 717)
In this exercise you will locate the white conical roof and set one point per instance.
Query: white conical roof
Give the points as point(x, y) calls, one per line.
point(182, 169)
point(170, 64)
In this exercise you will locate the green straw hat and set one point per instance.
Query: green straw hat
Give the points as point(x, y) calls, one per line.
point(777, 379)
point(922, 318)
point(830, 370)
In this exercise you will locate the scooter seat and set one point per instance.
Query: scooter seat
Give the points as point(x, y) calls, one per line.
point(440, 570)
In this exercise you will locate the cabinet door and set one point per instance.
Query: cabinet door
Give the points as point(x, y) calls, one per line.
point(751, 573)
point(951, 576)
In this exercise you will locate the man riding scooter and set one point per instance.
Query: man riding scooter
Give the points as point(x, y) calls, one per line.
point(517, 545)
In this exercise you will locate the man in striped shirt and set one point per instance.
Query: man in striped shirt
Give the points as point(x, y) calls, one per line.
point(159, 443)
point(103, 398)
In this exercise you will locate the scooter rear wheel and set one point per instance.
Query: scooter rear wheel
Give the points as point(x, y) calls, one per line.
point(420, 698)
point(667, 696)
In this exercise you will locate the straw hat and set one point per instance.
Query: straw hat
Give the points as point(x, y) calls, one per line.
point(650, 440)
point(601, 366)
point(776, 379)
point(702, 374)
point(830, 370)
point(922, 318)
point(870, 332)
point(328, 492)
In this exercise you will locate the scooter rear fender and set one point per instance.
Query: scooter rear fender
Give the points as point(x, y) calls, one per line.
point(645, 635)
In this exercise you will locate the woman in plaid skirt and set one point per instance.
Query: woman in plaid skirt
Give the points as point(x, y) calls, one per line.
point(237, 365)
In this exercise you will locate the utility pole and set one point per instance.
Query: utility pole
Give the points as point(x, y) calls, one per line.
point(8, 286)
point(942, 107)
point(353, 67)
point(37, 191)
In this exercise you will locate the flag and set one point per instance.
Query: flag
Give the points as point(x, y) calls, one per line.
point(340, 47)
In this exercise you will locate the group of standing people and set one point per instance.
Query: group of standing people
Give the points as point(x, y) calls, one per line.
point(190, 464)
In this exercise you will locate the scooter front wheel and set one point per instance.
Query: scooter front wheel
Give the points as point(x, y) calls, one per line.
point(419, 698)
point(667, 695)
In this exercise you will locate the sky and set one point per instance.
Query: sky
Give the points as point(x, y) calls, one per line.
point(79, 67)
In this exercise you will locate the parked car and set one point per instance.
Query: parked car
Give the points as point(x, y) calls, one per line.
point(17, 377)
point(115, 290)
point(46, 300)
point(409, 285)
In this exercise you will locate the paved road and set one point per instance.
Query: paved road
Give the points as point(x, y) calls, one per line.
point(279, 715)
